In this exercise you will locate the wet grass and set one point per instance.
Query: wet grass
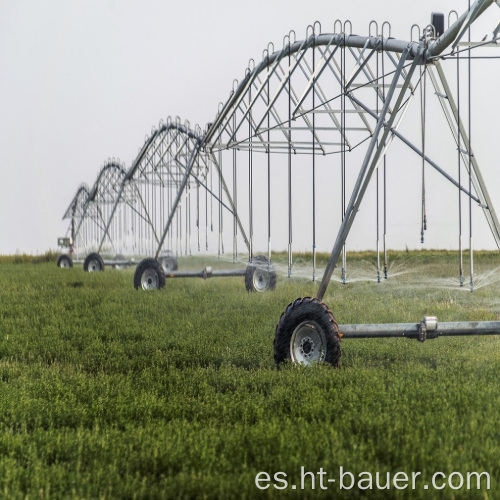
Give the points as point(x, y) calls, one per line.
point(107, 392)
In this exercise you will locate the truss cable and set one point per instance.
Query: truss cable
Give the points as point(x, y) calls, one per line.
point(314, 161)
point(471, 245)
point(189, 229)
point(169, 208)
point(140, 232)
point(147, 208)
point(343, 154)
point(235, 200)
point(146, 214)
point(377, 95)
point(211, 197)
point(188, 216)
point(268, 174)
point(423, 88)
point(153, 223)
point(179, 227)
point(170, 201)
point(459, 133)
point(385, 169)
point(220, 248)
point(133, 217)
point(250, 176)
point(198, 213)
point(289, 168)
point(137, 235)
point(153, 217)
point(181, 220)
point(162, 199)
point(186, 221)
point(178, 250)
point(121, 228)
point(206, 214)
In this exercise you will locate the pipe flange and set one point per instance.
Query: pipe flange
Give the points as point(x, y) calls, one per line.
point(207, 272)
point(422, 331)
point(428, 328)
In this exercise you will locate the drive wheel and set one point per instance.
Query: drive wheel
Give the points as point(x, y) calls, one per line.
point(93, 263)
point(168, 263)
point(307, 333)
point(149, 275)
point(260, 275)
point(64, 261)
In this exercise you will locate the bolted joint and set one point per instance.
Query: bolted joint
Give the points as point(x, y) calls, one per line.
point(428, 328)
point(207, 272)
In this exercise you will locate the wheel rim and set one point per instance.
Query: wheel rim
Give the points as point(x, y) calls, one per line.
point(94, 265)
point(64, 263)
point(149, 280)
point(260, 279)
point(308, 343)
point(166, 264)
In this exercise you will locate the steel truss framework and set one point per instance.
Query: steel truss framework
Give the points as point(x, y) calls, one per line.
point(140, 210)
point(324, 97)
point(89, 210)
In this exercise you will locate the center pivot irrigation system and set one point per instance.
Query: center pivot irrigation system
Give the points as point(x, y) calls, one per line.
point(296, 115)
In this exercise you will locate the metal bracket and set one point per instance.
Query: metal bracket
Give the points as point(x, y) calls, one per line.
point(64, 242)
point(428, 325)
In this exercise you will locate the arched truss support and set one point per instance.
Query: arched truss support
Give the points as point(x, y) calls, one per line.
point(305, 100)
point(169, 167)
point(90, 207)
point(76, 213)
point(322, 96)
point(450, 109)
point(316, 97)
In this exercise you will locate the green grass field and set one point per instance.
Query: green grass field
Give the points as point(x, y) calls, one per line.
point(108, 392)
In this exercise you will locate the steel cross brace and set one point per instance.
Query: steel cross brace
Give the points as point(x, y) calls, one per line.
point(224, 117)
point(369, 165)
point(395, 133)
point(185, 178)
point(477, 179)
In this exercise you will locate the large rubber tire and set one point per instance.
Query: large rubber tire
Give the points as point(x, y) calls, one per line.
point(64, 261)
point(149, 275)
point(307, 332)
point(260, 275)
point(93, 263)
point(168, 263)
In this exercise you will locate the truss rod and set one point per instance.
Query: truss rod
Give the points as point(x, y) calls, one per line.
point(180, 191)
point(367, 168)
point(230, 200)
point(472, 166)
point(207, 189)
point(427, 159)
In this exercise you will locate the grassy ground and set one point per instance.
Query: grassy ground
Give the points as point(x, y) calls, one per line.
point(108, 392)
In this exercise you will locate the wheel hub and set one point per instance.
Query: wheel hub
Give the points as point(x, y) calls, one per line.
point(166, 264)
point(261, 279)
point(307, 346)
point(94, 266)
point(149, 280)
point(308, 343)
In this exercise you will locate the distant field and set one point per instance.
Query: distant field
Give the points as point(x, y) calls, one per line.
point(109, 392)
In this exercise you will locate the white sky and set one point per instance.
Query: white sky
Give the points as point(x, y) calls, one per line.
point(84, 80)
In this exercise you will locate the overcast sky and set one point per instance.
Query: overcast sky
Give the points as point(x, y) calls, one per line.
point(84, 80)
